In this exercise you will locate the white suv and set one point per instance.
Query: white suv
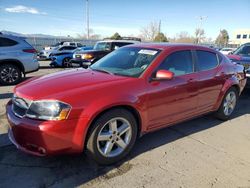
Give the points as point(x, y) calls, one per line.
point(17, 58)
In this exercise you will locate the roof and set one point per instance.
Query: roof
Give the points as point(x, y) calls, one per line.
point(110, 40)
point(165, 45)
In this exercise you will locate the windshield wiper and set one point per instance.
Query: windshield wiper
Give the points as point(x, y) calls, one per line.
point(102, 70)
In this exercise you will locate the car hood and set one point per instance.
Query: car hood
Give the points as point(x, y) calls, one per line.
point(234, 57)
point(90, 51)
point(62, 84)
point(239, 57)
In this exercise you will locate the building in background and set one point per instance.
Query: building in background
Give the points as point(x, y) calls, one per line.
point(240, 36)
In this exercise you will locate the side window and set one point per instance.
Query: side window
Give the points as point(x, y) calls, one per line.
point(79, 45)
point(206, 60)
point(179, 63)
point(5, 42)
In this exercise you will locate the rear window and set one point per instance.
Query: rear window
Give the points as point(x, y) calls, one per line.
point(5, 42)
point(206, 60)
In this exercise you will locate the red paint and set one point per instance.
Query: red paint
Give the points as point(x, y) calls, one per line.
point(236, 57)
point(158, 103)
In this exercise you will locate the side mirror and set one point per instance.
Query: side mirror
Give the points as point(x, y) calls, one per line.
point(163, 75)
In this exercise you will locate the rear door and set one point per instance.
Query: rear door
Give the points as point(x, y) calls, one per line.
point(211, 79)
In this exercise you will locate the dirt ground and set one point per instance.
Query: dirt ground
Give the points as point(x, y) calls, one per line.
point(203, 152)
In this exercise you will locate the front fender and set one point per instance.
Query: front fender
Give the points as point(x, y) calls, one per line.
point(105, 103)
point(98, 106)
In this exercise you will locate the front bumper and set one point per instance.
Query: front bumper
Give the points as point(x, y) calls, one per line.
point(80, 63)
point(46, 137)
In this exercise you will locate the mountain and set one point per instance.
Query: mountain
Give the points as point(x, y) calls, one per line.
point(30, 35)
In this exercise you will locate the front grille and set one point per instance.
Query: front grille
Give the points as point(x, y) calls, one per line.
point(20, 106)
point(18, 111)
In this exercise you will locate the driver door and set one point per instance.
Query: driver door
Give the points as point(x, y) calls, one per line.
point(173, 100)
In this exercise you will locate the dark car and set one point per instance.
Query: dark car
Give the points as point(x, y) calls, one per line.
point(101, 48)
point(242, 56)
point(134, 90)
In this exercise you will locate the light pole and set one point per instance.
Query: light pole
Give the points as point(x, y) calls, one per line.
point(87, 18)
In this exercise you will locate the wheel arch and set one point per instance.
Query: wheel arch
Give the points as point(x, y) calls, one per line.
point(129, 108)
point(226, 87)
point(13, 62)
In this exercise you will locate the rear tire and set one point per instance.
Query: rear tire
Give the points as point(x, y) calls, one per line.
point(66, 62)
point(10, 74)
point(112, 136)
point(228, 104)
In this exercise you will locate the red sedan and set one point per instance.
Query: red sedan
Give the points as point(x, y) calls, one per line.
point(134, 90)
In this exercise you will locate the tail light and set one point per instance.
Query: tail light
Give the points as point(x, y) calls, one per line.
point(32, 50)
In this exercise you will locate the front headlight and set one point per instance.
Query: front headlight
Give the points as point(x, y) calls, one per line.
point(48, 110)
point(87, 56)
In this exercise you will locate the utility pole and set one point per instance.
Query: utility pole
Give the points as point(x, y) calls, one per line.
point(201, 20)
point(200, 31)
point(159, 28)
point(87, 18)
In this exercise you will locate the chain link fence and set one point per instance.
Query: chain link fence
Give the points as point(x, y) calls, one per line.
point(39, 43)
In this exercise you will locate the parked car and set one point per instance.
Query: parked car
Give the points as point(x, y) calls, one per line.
point(242, 56)
point(227, 51)
point(131, 91)
point(47, 54)
point(58, 44)
point(77, 44)
point(17, 58)
point(62, 59)
point(101, 48)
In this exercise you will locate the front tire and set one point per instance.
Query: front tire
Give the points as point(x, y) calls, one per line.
point(112, 136)
point(10, 74)
point(228, 104)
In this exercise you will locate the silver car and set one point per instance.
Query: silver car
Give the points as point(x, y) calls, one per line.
point(17, 58)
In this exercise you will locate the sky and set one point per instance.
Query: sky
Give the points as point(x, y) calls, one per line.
point(127, 17)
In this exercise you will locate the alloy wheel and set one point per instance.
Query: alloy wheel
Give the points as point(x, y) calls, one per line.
point(114, 137)
point(229, 103)
point(9, 74)
point(66, 62)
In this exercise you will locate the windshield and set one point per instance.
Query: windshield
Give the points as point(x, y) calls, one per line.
point(129, 61)
point(102, 46)
point(242, 50)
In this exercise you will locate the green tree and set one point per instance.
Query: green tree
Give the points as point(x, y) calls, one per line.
point(223, 38)
point(160, 37)
point(116, 36)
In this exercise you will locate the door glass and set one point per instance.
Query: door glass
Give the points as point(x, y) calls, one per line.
point(179, 63)
point(206, 60)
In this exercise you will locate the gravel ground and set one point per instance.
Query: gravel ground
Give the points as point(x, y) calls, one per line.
point(203, 152)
